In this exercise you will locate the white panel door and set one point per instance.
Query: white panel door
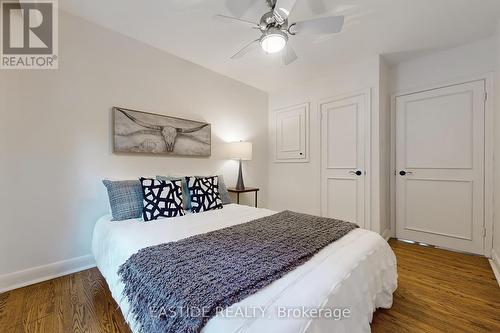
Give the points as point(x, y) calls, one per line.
point(343, 159)
point(440, 167)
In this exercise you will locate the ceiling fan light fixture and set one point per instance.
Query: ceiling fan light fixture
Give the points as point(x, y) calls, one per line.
point(276, 29)
point(273, 41)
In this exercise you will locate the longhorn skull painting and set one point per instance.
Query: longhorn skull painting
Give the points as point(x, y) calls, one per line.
point(141, 132)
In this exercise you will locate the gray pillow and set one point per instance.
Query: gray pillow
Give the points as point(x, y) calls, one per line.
point(224, 194)
point(125, 198)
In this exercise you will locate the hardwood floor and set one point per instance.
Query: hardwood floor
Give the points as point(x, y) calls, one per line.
point(79, 302)
point(439, 291)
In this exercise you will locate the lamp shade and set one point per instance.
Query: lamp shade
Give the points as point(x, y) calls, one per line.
point(241, 151)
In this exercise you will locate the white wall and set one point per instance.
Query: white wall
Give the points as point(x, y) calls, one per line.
point(296, 186)
point(496, 226)
point(448, 65)
point(56, 144)
point(385, 148)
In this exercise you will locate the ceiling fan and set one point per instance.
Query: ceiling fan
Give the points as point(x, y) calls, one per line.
point(276, 30)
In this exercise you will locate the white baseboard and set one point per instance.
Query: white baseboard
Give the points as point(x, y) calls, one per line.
point(387, 234)
point(495, 265)
point(43, 273)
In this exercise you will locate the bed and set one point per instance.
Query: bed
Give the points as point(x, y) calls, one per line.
point(357, 272)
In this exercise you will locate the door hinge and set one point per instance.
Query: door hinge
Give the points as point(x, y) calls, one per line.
point(485, 96)
point(484, 232)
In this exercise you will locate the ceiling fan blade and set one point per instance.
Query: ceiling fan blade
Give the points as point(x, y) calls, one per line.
point(323, 25)
point(289, 55)
point(230, 19)
point(238, 7)
point(283, 8)
point(247, 48)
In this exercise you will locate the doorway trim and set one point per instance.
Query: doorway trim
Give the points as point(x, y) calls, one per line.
point(366, 93)
point(488, 152)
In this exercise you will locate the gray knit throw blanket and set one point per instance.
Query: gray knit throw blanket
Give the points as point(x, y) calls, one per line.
point(179, 286)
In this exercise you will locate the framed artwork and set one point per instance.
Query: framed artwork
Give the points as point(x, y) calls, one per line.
point(142, 132)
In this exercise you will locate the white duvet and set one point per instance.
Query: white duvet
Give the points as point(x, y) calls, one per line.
point(357, 272)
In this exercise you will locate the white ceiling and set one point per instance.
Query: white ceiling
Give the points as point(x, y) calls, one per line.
point(186, 28)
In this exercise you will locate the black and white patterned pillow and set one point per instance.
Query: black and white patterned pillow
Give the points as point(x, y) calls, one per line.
point(204, 193)
point(161, 199)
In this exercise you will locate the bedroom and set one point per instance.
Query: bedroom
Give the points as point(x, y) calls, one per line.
point(334, 133)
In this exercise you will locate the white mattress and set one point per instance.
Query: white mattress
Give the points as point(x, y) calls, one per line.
point(357, 272)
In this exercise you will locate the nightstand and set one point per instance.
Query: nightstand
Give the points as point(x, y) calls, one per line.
point(246, 190)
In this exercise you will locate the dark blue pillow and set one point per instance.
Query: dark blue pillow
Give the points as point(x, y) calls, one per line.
point(204, 192)
point(161, 199)
point(186, 199)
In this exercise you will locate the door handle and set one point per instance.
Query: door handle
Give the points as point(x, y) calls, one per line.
point(356, 173)
point(404, 173)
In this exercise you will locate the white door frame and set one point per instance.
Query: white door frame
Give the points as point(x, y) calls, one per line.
point(488, 152)
point(368, 161)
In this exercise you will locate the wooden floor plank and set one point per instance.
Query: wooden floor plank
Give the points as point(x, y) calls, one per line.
point(439, 291)
point(11, 309)
point(38, 301)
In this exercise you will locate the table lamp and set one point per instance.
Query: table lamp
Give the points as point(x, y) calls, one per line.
point(241, 151)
